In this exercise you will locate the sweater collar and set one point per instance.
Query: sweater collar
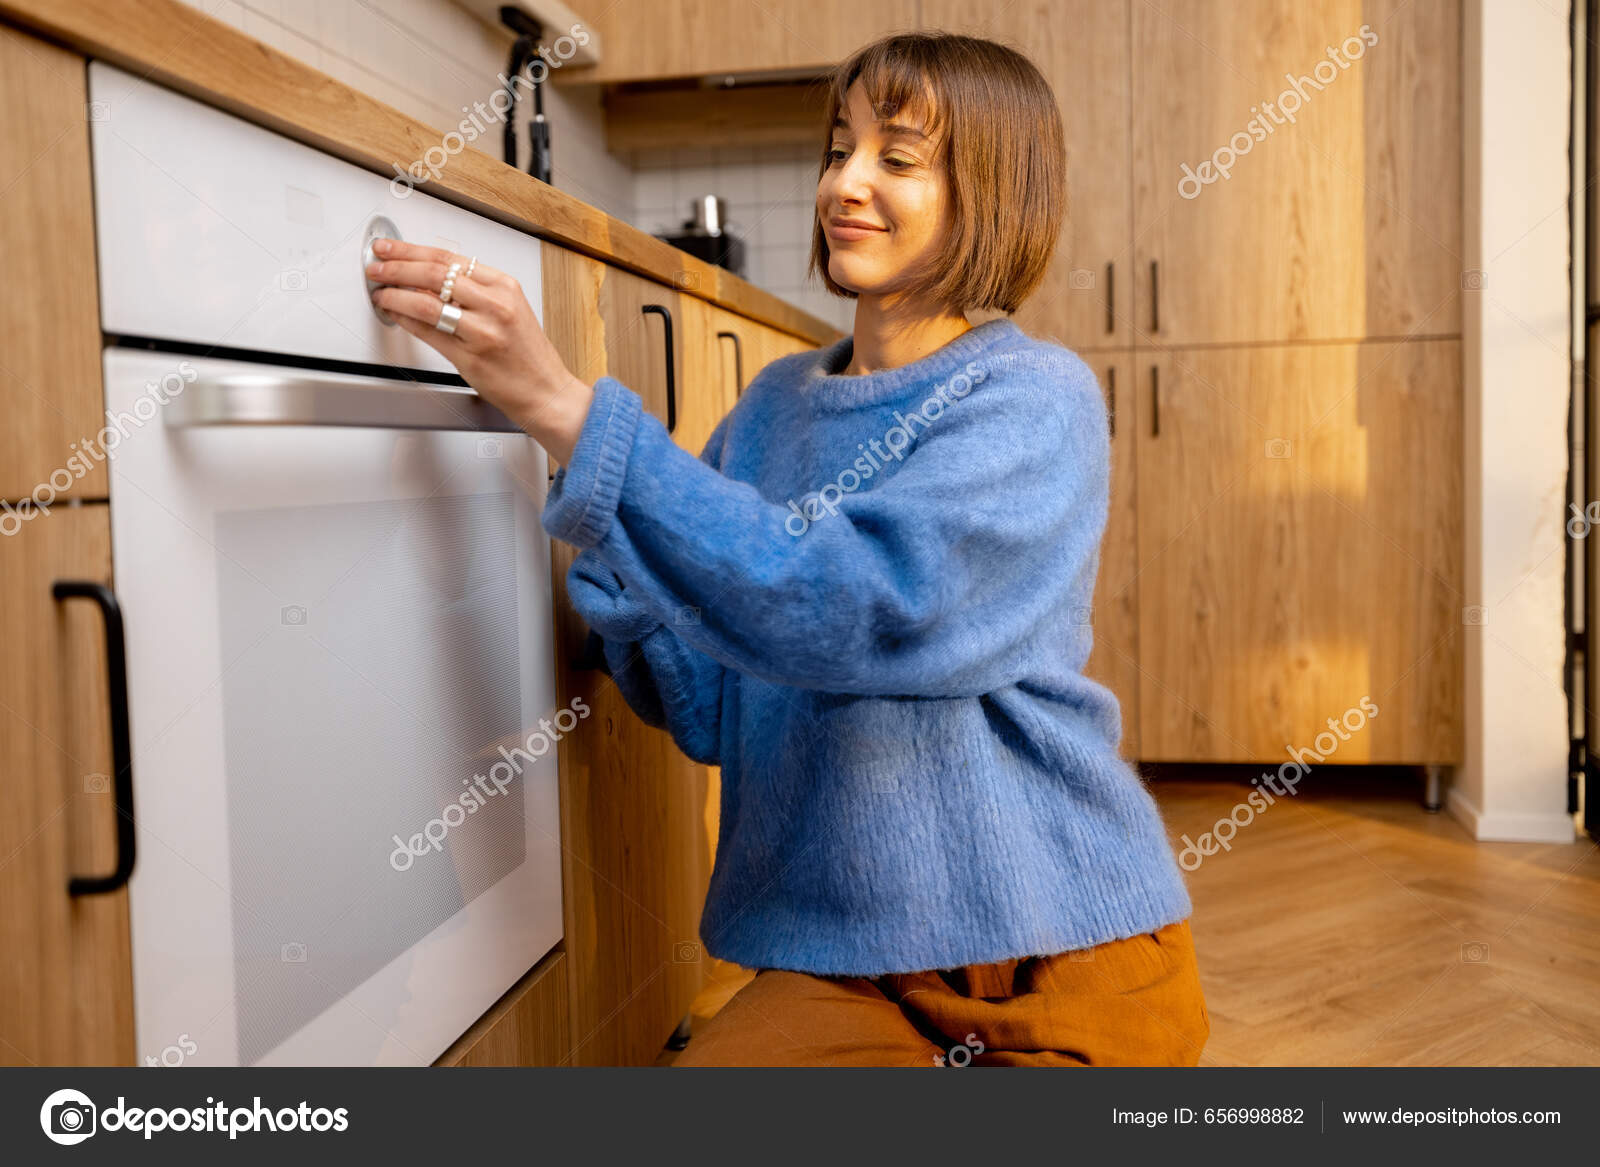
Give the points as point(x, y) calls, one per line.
point(840, 391)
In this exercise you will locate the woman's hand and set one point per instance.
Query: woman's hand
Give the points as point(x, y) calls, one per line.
point(497, 346)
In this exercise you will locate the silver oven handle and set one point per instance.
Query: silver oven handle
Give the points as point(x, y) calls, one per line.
point(306, 399)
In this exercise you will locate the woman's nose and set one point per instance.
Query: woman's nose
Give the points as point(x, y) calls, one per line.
point(853, 183)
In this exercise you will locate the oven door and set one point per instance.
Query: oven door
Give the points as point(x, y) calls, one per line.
point(343, 709)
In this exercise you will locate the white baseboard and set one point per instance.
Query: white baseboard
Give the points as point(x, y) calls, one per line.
point(1510, 828)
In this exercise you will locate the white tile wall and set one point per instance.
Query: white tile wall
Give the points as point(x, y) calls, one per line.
point(771, 196)
point(428, 59)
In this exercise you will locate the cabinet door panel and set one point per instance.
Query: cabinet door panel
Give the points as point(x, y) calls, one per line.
point(648, 40)
point(1299, 549)
point(66, 980)
point(1081, 47)
point(1115, 659)
point(1341, 224)
point(572, 319)
point(636, 336)
point(50, 387)
point(707, 391)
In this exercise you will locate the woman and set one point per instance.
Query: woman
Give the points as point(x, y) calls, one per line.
point(928, 844)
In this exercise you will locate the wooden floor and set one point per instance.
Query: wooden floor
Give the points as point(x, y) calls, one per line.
point(1348, 927)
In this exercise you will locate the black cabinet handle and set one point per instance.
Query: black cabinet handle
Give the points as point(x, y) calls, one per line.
point(1155, 296)
point(1155, 401)
point(1111, 397)
point(121, 750)
point(738, 360)
point(672, 373)
point(1111, 297)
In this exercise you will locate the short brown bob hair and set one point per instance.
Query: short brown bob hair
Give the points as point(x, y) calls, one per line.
point(1000, 139)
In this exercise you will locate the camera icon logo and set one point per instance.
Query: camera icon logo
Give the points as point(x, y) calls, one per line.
point(687, 280)
point(686, 615)
point(1475, 952)
point(294, 616)
point(491, 448)
point(97, 111)
point(1278, 447)
point(686, 952)
point(96, 784)
point(1474, 614)
point(292, 280)
point(68, 1117)
point(1081, 279)
point(294, 953)
point(1474, 280)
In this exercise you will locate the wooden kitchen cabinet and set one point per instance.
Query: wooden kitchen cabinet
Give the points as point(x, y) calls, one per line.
point(639, 818)
point(709, 389)
point(743, 347)
point(1115, 612)
point(50, 373)
point(1081, 47)
point(66, 975)
point(642, 322)
point(1299, 544)
point(1345, 224)
point(644, 40)
point(772, 344)
point(635, 856)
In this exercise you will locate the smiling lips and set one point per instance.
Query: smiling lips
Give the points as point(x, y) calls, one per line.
point(849, 229)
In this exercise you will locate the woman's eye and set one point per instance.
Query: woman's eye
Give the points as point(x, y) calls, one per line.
point(899, 163)
point(837, 155)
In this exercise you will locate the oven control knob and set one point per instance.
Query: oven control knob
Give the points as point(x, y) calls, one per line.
point(381, 227)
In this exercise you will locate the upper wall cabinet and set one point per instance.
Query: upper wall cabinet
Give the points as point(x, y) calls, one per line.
point(646, 40)
point(1296, 170)
point(1081, 47)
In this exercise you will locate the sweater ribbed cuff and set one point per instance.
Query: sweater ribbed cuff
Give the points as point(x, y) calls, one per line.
point(582, 501)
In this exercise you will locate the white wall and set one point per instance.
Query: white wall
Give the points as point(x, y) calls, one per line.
point(1516, 345)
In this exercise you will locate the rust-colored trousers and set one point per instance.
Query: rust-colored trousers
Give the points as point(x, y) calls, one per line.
point(1134, 1002)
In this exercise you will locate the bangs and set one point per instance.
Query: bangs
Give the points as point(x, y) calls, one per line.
point(898, 85)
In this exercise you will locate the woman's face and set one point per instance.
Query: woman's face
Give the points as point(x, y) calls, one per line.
point(882, 200)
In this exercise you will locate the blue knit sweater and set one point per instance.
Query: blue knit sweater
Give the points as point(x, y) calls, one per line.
point(868, 602)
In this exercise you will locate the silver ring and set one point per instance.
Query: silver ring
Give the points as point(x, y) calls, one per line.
point(449, 317)
point(449, 287)
point(472, 265)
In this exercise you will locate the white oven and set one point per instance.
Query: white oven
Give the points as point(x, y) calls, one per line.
point(337, 606)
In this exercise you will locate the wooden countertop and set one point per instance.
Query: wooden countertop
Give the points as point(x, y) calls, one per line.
point(178, 46)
